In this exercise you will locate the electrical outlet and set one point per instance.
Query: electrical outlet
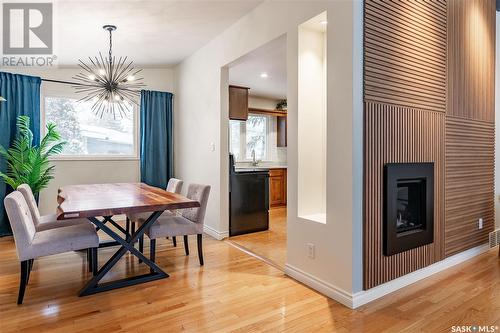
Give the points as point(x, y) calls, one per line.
point(310, 250)
point(212, 146)
point(480, 223)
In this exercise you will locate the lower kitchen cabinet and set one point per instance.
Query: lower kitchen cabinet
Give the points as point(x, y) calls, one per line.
point(277, 187)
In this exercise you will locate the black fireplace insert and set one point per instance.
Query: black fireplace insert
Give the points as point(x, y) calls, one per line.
point(408, 206)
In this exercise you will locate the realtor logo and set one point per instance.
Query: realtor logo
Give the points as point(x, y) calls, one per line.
point(27, 28)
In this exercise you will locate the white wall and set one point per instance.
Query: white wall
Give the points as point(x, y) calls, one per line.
point(497, 123)
point(201, 115)
point(262, 103)
point(312, 125)
point(90, 171)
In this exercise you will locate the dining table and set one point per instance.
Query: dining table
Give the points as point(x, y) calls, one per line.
point(99, 203)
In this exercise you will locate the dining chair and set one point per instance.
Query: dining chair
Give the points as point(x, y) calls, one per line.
point(44, 222)
point(174, 185)
point(50, 221)
point(32, 244)
point(189, 222)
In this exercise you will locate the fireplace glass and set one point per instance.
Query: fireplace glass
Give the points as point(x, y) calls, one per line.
point(410, 215)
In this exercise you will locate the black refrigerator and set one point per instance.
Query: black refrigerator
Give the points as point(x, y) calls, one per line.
point(248, 199)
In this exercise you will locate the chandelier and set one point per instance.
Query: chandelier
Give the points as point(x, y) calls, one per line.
point(110, 84)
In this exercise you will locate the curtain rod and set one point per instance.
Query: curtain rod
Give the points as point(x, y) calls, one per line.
point(63, 82)
point(79, 84)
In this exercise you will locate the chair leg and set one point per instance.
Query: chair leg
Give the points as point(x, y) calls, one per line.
point(175, 241)
point(141, 246)
point(200, 248)
point(132, 229)
point(152, 251)
point(95, 262)
point(89, 260)
point(23, 280)
point(30, 267)
point(186, 245)
point(127, 228)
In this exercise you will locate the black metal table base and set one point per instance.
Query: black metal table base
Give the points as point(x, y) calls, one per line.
point(127, 245)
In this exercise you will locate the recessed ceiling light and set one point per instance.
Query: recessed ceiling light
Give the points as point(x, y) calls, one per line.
point(324, 22)
point(264, 75)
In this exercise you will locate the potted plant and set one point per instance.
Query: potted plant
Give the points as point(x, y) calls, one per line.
point(281, 105)
point(29, 164)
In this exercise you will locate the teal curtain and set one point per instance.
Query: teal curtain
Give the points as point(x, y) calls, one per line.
point(22, 94)
point(156, 138)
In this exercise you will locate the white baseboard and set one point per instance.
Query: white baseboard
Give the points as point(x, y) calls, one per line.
point(215, 233)
point(323, 287)
point(363, 297)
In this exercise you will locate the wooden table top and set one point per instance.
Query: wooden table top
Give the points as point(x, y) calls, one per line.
point(77, 201)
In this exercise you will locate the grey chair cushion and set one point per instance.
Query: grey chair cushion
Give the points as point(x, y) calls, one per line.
point(63, 239)
point(44, 222)
point(173, 226)
point(21, 222)
point(141, 217)
point(25, 190)
point(31, 243)
point(174, 185)
point(50, 221)
point(199, 193)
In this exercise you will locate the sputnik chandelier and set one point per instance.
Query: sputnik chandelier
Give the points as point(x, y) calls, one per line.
point(111, 85)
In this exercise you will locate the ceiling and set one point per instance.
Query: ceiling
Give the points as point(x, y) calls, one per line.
point(151, 33)
point(270, 59)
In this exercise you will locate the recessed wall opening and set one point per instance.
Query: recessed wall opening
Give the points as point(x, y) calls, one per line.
point(312, 115)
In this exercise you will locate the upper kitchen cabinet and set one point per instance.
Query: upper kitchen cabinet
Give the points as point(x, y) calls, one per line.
point(281, 131)
point(238, 103)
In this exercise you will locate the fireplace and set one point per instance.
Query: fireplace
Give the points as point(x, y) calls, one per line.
point(408, 206)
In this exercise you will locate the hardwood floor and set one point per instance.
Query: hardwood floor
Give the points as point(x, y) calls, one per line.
point(269, 244)
point(234, 292)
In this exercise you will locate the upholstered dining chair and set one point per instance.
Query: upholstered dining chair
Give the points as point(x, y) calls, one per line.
point(44, 222)
point(189, 222)
point(174, 185)
point(32, 244)
point(50, 221)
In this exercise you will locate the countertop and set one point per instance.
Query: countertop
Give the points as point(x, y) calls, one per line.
point(262, 168)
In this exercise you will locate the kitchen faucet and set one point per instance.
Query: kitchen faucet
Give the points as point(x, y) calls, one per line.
point(254, 161)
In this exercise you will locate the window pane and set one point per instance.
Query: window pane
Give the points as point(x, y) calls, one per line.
point(256, 130)
point(234, 139)
point(86, 133)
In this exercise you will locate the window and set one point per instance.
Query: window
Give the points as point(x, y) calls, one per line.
point(87, 134)
point(248, 136)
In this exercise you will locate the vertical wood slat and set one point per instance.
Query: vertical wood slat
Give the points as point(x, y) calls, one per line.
point(471, 59)
point(396, 134)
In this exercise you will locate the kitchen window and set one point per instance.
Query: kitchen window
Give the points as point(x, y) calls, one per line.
point(87, 135)
point(250, 135)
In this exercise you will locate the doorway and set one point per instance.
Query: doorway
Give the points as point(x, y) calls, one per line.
point(258, 147)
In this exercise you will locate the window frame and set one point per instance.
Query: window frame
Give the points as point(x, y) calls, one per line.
point(103, 157)
point(243, 138)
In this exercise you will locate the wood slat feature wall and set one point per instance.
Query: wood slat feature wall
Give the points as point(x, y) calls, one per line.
point(429, 97)
point(470, 158)
point(471, 59)
point(399, 134)
point(405, 53)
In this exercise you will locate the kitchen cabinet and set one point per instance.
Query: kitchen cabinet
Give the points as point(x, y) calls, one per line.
point(238, 103)
point(281, 131)
point(277, 187)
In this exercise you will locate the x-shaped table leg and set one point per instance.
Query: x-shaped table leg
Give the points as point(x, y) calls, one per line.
point(93, 286)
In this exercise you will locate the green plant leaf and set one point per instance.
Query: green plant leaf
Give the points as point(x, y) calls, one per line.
point(28, 164)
